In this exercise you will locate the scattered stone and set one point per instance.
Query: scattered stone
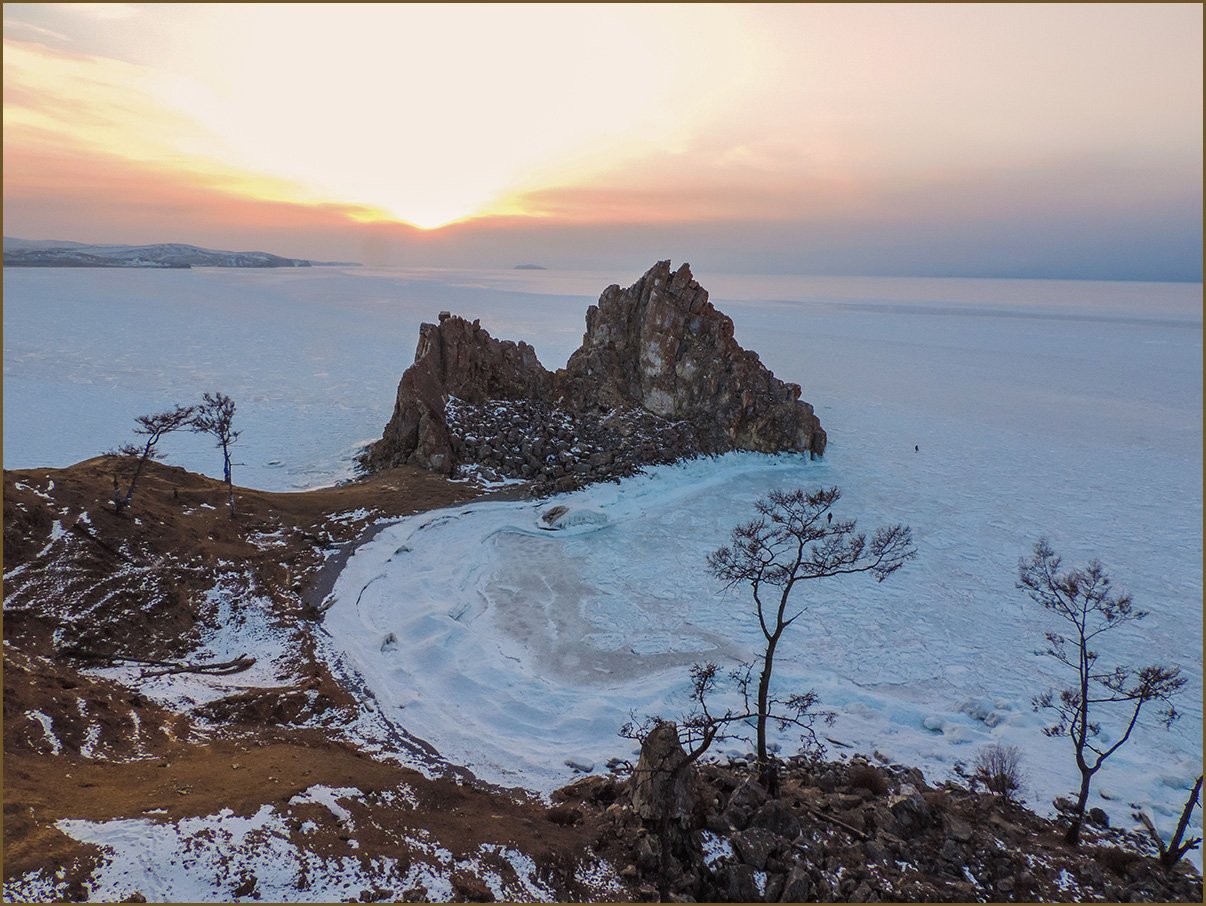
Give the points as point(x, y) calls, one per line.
point(798, 887)
point(739, 885)
point(749, 795)
point(246, 886)
point(564, 816)
point(958, 828)
point(754, 846)
point(777, 818)
point(471, 888)
point(909, 808)
point(599, 789)
point(648, 854)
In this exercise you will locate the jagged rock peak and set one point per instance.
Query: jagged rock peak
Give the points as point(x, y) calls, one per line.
point(454, 359)
point(658, 376)
point(660, 345)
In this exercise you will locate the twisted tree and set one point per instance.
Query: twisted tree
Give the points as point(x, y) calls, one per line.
point(215, 416)
point(796, 539)
point(152, 427)
point(1083, 598)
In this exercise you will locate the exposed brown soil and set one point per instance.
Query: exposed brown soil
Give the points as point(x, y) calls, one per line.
point(133, 585)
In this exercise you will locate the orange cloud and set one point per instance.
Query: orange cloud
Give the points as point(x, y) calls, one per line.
point(116, 200)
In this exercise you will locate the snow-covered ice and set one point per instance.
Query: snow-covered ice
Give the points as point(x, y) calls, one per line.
point(527, 647)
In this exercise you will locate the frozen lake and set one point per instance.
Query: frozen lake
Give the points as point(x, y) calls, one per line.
point(1063, 408)
point(313, 356)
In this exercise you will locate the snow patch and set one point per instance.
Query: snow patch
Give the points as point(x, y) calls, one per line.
point(42, 718)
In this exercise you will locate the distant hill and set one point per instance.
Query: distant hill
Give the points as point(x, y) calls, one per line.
point(530, 267)
point(61, 253)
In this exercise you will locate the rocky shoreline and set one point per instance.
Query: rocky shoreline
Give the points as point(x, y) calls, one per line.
point(858, 830)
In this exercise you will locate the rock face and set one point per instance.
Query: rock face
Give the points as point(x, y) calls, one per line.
point(662, 788)
point(455, 358)
point(661, 346)
point(659, 376)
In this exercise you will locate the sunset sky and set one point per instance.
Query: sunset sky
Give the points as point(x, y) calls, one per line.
point(977, 140)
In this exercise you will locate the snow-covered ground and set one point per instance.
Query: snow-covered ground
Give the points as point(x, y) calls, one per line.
point(1067, 409)
point(227, 857)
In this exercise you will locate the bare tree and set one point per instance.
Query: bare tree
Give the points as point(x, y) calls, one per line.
point(999, 768)
point(1084, 599)
point(1178, 846)
point(215, 416)
point(152, 427)
point(795, 539)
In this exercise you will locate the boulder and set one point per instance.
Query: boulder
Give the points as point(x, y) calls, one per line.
point(777, 818)
point(798, 887)
point(661, 784)
point(738, 885)
point(755, 845)
point(909, 809)
point(750, 795)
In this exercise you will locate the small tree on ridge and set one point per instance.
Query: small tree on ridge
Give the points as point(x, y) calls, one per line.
point(153, 427)
point(1083, 598)
point(215, 416)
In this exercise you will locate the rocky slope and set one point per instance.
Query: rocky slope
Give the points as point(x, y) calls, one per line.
point(857, 830)
point(270, 784)
point(658, 376)
point(261, 785)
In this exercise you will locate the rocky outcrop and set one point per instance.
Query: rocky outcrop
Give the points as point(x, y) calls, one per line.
point(829, 837)
point(658, 377)
point(662, 788)
point(459, 360)
point(661, 346)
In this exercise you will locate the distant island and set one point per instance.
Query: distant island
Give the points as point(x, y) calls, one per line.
point(62, 253)
point(530, 267)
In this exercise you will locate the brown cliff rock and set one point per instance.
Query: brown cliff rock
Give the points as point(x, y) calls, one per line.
point(661, 346)
point(659, 376)
point(662, 788)
point(454, 358)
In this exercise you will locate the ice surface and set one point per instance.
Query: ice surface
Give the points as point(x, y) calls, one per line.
point(1064, 408)
point(312, 356)
point(527, 647)
point(312, 362)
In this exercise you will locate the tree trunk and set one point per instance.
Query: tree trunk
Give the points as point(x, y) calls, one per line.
point(230, 500)
point(1078, 815)
point(129, 495)
point(769, 776)
point(1177, 849)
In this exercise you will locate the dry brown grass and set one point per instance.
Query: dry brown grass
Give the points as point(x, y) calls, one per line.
point(868, 777)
